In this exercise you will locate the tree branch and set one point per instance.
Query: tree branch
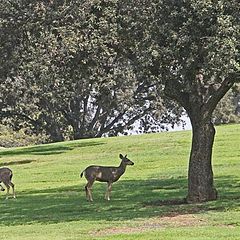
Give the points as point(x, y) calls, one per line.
point(110, 125)
point(95, 118)
point(35, 123)
point(212, 102)
point(174, 91)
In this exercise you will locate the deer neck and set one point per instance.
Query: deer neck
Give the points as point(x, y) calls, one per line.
point(122, 168)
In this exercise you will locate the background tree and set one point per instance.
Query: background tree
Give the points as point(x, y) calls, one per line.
point(226, 110)
point(64, 72)
point(193, 48)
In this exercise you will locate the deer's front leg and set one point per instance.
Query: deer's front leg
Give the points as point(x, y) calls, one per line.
point(108, 192)
point(8, 188)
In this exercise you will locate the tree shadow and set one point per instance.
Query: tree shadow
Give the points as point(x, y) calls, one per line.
point(130, 200)
point(49, 149)
point(16, 162)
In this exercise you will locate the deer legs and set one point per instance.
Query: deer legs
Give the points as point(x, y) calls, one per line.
point(108, 192)
point(2, 188)
point(8, 184)
point(88, 190)
point(8, 188)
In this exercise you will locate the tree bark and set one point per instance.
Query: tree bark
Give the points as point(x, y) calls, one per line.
point(55, 133)
point(200, 175)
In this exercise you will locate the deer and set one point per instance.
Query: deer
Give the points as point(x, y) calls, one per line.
point(104, 174)
point(6, 178)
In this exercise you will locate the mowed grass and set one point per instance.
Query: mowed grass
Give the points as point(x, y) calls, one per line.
point(146, 202)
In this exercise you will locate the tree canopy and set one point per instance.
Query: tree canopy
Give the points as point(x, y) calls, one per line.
point(65, 72)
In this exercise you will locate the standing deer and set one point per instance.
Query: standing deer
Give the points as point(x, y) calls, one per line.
point(104, 174)
point(6, 177)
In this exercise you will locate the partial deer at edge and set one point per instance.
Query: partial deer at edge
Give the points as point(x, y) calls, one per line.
point(104, 174)
point(6, 178)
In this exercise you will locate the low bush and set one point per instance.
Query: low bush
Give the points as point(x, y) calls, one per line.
point(10, 138)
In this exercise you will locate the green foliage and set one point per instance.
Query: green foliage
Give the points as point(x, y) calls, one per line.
point(191, 46)
point(78, 69)
point(226, 110)
point(10, 138)
point(146, 201)
point(65, 71)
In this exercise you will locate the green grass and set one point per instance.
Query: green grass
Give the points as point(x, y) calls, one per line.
point(146, 201)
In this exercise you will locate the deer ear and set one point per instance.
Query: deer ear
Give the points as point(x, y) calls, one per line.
point(121, 156)
point(125, 155)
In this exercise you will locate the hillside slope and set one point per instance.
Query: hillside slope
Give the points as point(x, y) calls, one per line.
point(146, 201)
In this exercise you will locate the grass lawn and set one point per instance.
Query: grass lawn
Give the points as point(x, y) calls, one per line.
point(146, 202)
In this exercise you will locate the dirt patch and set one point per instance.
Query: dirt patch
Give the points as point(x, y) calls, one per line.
point(122, 230)
point(186, 220)
point(183, 220)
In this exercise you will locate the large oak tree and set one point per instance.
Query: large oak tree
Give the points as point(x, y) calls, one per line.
point(193, 48)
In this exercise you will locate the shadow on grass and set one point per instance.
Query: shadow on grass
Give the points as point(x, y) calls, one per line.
point(130, 200)
point(16, 162)
point(49, 149)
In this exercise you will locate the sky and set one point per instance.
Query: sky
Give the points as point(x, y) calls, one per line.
point(188, 125)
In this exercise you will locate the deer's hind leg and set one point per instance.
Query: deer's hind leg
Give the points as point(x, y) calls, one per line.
point(88, 189)
point(2, 188)
point(8, 184)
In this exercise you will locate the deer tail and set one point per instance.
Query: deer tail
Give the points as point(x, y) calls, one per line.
point(82, 173)
point(10, 176)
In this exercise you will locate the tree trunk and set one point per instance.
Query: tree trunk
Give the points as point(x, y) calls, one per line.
point(55, 133)
point(200, 174)
point(200, 99)
point(79, 130)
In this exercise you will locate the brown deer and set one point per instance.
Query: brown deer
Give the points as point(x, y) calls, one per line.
point(6, 177)
point(104, 174)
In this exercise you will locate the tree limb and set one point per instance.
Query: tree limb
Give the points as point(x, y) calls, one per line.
point(110, 125)
point(212, 102)
point(174, 91)
point(22, 115)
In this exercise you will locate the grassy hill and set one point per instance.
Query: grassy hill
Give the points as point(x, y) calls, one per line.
point(146, 202)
